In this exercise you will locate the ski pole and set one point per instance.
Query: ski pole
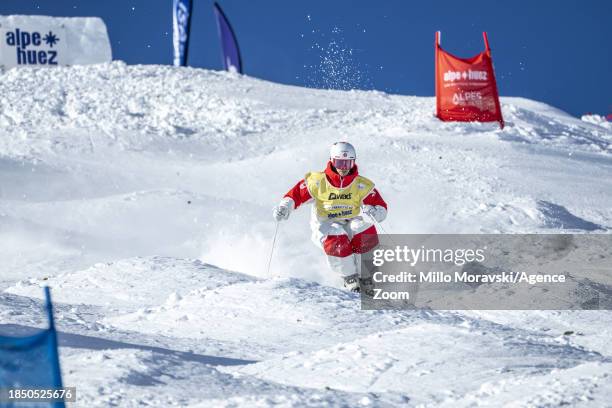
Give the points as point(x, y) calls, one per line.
point(272, 249)
point(381, 228)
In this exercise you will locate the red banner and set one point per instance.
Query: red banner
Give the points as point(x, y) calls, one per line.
point(466, 90)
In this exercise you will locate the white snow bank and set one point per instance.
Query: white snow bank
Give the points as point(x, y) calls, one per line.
point(267, 317)
point(129, 378)
point(598, 120)
point(130, 283)
point(432, 361)
point(236, 116)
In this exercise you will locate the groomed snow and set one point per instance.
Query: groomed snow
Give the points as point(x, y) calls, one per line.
point(142, 195)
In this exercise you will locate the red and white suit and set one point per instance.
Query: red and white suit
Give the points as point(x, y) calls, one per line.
point(343, 240)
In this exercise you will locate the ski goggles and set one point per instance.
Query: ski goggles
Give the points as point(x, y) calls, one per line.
point(343, 164)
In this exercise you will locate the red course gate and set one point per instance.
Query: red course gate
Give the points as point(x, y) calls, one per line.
point(466, 89)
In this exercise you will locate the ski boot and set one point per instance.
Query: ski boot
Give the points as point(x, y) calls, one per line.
point(351, 282)
point(367, 286)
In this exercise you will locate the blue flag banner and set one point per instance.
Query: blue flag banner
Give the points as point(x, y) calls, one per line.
point(229, 44)
point(32, 361)
point(181, 18)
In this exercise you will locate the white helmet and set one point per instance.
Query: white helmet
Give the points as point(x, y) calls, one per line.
point(342, 155)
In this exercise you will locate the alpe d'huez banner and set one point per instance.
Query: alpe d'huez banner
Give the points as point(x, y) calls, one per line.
point(45, 41)
point(232, 60)
point(466, 89)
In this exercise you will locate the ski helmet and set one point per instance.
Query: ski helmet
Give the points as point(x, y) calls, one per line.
point(342, 155)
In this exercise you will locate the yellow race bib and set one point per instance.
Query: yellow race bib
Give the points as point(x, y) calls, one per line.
point(334, 202)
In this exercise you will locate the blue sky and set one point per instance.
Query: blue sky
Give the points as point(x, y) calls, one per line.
point(558, 52)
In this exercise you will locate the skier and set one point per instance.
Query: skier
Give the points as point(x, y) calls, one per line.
point(340, 197)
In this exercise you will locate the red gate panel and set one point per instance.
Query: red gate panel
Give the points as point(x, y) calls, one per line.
point(466, 89)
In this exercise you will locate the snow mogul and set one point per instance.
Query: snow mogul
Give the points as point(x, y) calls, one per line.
point(340, 197)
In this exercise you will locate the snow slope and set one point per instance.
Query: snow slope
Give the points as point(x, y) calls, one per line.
point(142, 195)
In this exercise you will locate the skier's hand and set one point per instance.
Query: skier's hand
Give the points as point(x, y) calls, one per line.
point(377, 212)
point(283, 209)
point(280, 213)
